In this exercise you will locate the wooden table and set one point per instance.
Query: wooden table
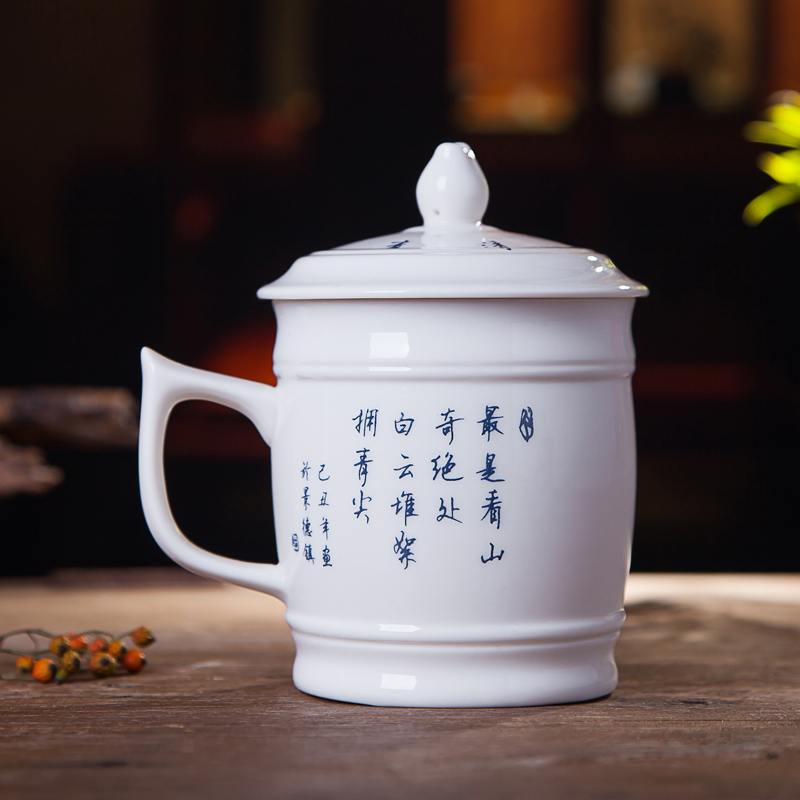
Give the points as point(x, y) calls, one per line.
point(707, 707)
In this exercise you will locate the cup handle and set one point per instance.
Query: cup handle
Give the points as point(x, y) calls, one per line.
point(165, 384)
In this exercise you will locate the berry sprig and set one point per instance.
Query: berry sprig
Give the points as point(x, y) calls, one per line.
point(100, 652)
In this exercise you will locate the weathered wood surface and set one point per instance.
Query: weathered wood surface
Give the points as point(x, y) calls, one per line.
point(708, 706)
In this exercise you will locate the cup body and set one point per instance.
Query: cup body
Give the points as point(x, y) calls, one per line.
point(454, 486)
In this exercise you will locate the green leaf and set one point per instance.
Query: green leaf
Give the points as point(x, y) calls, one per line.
point(786, 118)
point(767, 133)
point(792, 155)
point(780, 167)
point(762, 206)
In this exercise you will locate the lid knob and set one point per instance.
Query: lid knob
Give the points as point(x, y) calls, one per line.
point(452, 191)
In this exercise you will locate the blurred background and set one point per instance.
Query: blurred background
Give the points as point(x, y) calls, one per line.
point(162, 159)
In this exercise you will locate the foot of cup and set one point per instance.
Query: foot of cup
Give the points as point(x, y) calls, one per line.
point(454, 675)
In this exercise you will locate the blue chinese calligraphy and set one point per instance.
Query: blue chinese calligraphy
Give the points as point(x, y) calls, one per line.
point(403, 425)
point(404, 469)
point(489, 470)
point(445, 470)
point(362, 509)
point(361, 464)
point(492, 556)
point(308, 532)
point(489, 422)
point(443, 511)
point(493, 504)
point(366, 421)
point(315, 539)
point(526, 423)
point(396, 245)
point(402, 548)
point(449, 423)
point(405, 505)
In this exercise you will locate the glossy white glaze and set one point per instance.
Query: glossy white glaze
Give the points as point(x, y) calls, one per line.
point(452, 192)
point(453, 485)
point(453, 254)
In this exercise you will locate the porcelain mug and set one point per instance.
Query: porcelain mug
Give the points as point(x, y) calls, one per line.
point(453, 486)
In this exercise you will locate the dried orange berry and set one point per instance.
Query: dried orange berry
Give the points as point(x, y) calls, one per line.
point(62, 673)
point(117, 649)
point(102, 665)
point(44, 670)
point(79, 643)
point(98, 646)
point(134, 661)
point(71, 661)
point(25, 665)
point(143, 637)
point(59, 645)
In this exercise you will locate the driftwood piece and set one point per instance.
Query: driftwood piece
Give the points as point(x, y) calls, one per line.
point(88, 417)
point(23, 469)
point(84, 417)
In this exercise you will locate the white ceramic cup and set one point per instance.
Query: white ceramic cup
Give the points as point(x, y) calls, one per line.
point(453, 485)
point(453, 459)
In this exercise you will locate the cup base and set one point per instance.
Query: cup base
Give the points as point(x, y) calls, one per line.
point(497, 674)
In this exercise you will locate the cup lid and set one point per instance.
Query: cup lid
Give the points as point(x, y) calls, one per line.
point(453, 254)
